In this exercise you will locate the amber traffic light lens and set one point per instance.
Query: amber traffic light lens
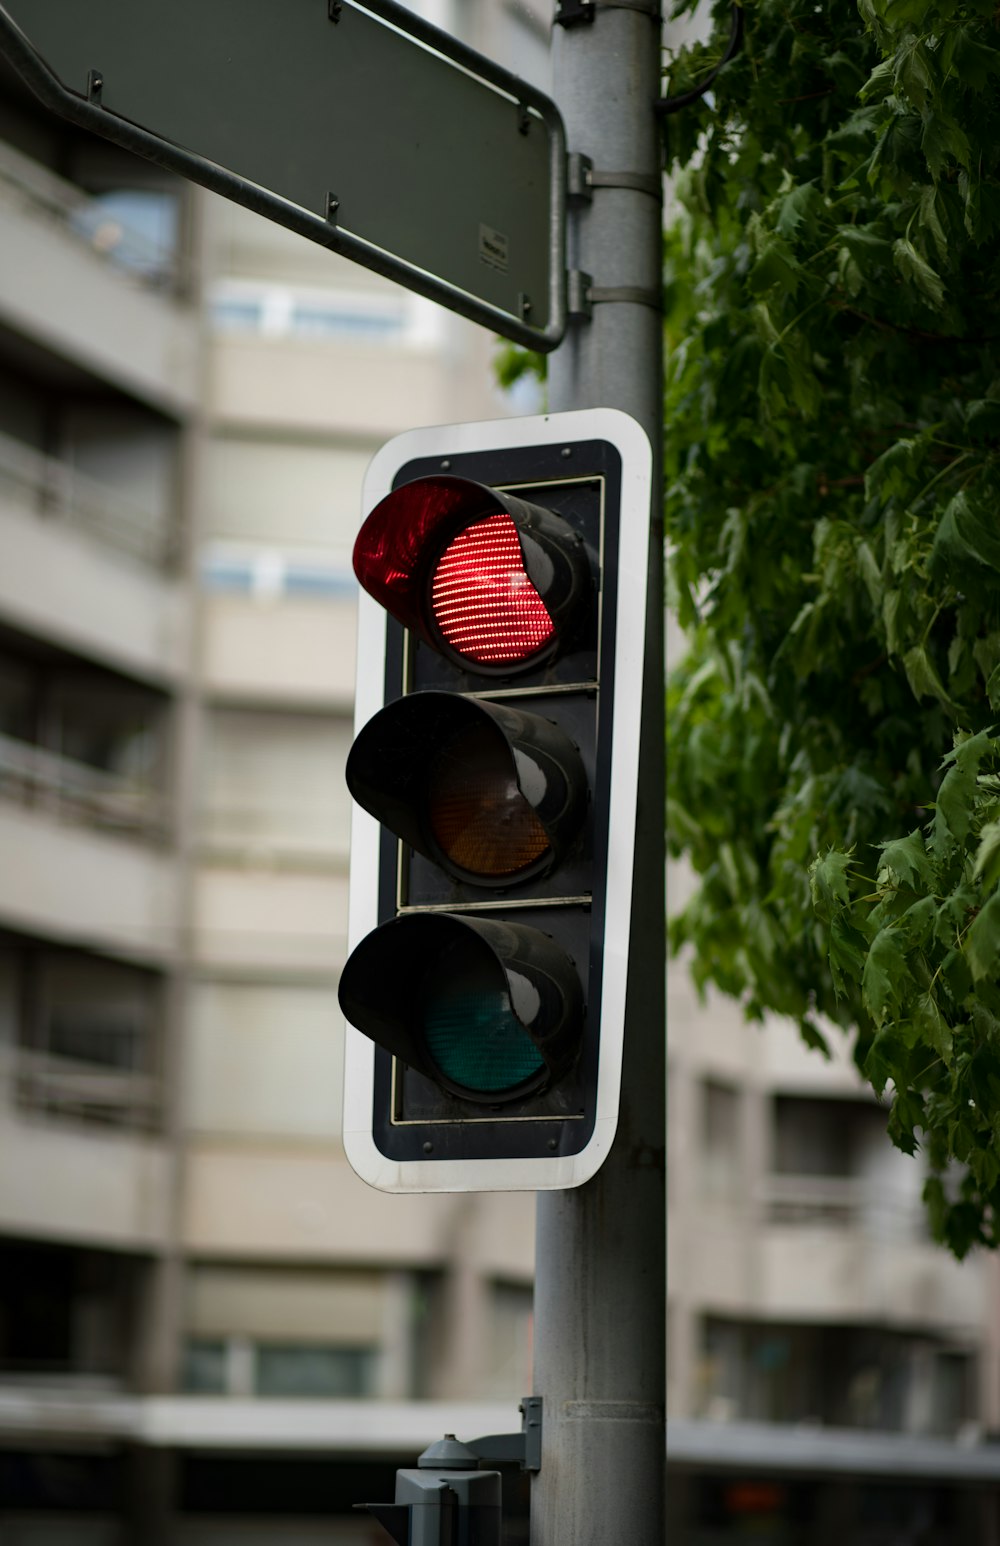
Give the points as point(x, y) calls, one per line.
point(482, 598)
point(478, 815)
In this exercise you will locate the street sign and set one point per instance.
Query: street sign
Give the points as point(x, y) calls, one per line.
point(352, 122)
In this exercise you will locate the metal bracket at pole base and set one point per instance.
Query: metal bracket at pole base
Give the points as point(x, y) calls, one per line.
point(574, 13)
point(524, 1447)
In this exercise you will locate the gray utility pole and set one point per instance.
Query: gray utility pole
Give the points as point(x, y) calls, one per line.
point(600, 1295)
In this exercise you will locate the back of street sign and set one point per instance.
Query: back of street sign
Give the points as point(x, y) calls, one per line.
point(353, 122)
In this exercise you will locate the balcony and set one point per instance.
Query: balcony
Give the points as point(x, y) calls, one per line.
point(63, 495)
point(279, 626)
point(258, 920)
point(79, 283)
point(60, 1086)
point(79, 568)
point(71, 882)
point(78, 794)
point(78, 1181)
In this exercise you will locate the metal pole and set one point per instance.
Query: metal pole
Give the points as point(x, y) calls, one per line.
point(600, 1294)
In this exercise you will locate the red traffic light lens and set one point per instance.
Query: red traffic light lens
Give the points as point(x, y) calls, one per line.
point(482, 599)
point(477, 813)
point(492, 582)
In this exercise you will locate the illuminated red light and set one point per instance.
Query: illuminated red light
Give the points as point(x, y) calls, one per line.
point(482, 599)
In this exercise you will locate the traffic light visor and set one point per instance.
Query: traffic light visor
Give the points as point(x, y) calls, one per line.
point(489, 580)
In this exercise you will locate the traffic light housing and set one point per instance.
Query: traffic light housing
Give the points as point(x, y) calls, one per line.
point(501, 630)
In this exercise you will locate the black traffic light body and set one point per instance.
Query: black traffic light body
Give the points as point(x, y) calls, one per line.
point(501, 630)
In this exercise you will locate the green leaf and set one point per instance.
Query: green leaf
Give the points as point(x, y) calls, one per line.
point(883, 973)
point(893, 471)
point(993, 688)
point(953, 807)
point(912, 71)
point(930, 220)
point(776, 265)
point(923, 678)
point(907, 858)
point(933, 1027)
point(829, 883)
point(871, 575)
point(987, 866)
point(918, 271)
point(906, 1116)
point(967, 531)
point(800, 208)
point(982, 942)
point(943, 140)
point(963, 54)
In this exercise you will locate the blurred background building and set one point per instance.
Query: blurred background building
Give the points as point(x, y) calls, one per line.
point(210, 1331)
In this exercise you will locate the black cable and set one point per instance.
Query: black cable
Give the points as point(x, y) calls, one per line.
point(674, 104)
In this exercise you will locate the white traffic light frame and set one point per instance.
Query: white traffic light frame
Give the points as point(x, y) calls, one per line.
point(546, 1171)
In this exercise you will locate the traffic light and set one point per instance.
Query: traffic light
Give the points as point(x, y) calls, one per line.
point(501, 630)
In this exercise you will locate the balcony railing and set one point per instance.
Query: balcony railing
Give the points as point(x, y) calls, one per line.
point(53, 489)
point(840, 1202)
point(75, 792)
point(64, 1087)
point(278, 837)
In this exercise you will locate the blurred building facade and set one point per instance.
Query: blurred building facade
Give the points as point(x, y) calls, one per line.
point(188, 399)
point(209, 1329)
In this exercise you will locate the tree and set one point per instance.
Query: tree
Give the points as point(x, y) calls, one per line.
point(833, 460)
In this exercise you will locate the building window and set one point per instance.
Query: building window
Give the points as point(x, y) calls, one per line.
point(204, 1368)
point(136, 229)
point(88, 1036)
point(273, 788)
point(277, 311)
point(721, 1133)
point(841, 1376)
point(832, 1166)
point(291, 1370)
point(83, 745)
point(511, 1328)
point(270, 574)
point(284, 1331)
point(64, 1311)
point(238, 1367)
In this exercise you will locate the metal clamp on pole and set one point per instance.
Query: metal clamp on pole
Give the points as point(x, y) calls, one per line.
point(582, 179)
point(525, 1447)
point(579, 306)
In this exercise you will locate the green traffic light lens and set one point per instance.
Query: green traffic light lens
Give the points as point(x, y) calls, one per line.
point(476, 1040)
